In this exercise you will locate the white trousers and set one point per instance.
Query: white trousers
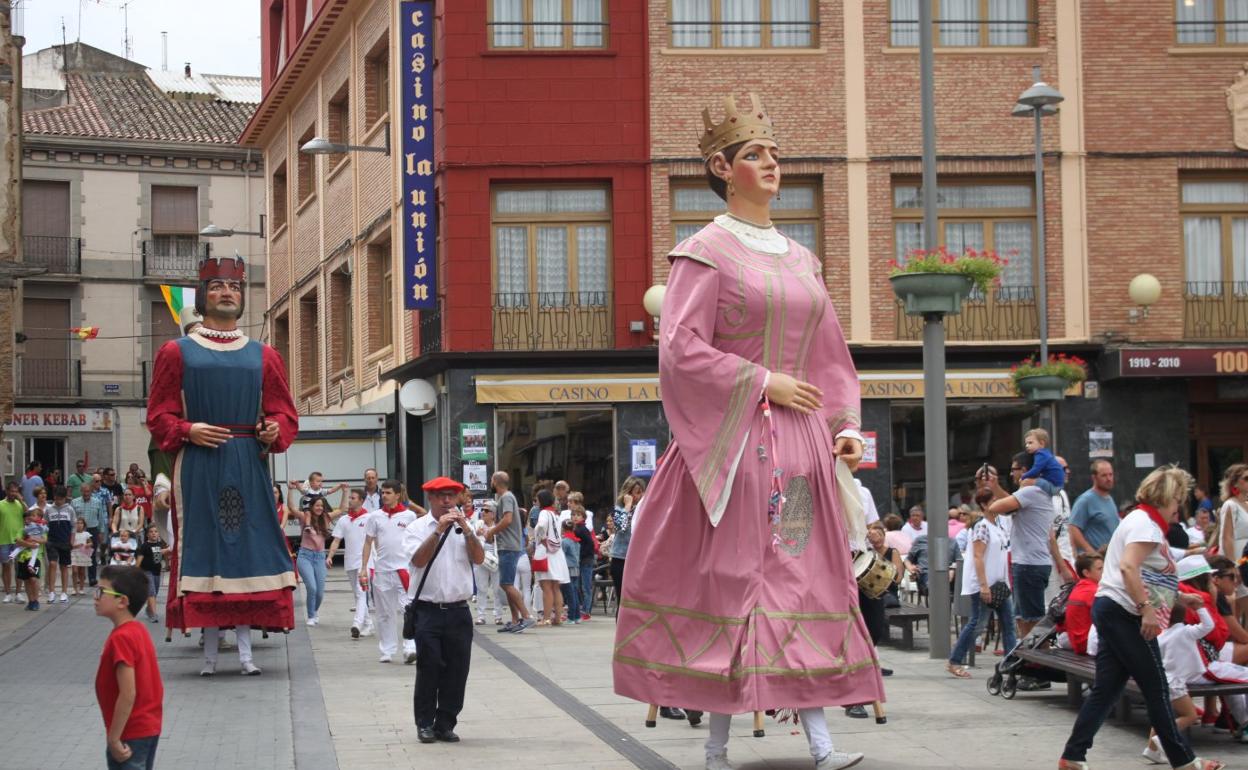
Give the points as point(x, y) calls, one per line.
point(212, 643)
point(390, 600)
point(361, 619)
point(487, 588)
point(813, 720)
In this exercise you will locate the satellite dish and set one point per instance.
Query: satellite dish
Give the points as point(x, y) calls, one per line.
point(417, 397)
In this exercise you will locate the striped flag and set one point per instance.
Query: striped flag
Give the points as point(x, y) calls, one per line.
point(86, 332)
point(178, 297)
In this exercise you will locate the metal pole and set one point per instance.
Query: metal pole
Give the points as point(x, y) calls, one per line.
point(934, 424)
point(1042, 299)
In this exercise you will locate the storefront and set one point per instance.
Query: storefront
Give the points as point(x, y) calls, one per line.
point(58, 437)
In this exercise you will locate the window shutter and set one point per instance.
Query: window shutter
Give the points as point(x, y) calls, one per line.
point(175, 210)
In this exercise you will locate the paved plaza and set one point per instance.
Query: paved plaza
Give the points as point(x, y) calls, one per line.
point(542, 699)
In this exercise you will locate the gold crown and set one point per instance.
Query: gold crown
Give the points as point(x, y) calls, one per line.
point(737, 127)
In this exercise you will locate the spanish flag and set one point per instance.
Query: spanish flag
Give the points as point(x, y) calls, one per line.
point(86, 332)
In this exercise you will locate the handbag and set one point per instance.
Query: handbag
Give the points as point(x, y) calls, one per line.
point(1000, 592)
point(409, 612)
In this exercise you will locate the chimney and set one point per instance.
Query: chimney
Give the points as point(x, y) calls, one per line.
point(188, 69)
point(164, 51)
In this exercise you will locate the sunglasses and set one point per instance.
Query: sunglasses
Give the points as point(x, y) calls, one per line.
point(101, 590)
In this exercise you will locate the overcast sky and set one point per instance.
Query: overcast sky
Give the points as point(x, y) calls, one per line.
point(215, 36)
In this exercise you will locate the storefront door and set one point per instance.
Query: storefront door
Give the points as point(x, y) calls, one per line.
point(50, 452)
point(575, 445)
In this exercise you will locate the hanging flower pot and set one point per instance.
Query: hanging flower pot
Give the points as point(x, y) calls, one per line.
point(1048, 381)
point(939, 282)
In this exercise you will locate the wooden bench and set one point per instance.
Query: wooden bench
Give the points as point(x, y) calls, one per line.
point(904, 617)
point(1082, 668)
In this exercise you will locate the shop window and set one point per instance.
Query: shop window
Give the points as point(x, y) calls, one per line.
point(570, 444)
point(966, 23)
point(797, 212)
point(309, 343)
point(1211, 22)
point(552, 268)
point(377, 82)
point(305, 169)
point(278, 185)
point(548, 24)
point(339, 120)
point(1215, 245)
point(743, 23)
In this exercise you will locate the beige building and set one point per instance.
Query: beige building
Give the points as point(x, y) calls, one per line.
point(122, 168)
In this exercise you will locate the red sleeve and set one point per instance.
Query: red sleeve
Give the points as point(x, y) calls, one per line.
point(276, 403)
point(1079, 616)
point(165, 420)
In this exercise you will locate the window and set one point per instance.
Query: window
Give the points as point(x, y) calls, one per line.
point(547, 24)
point(797, 212)
point(743, 23)
point(552, 246)
point(965, 23)
point(994, 216)
point(279, 196)
point(309, 343)
point(377, 82)
point(340, 122)
point(1211, 22)
point(341, 333)
point(381, 287)
point(46, 237)
point(175, 225)
point(281, 339)
point(306, 169)
point(1215, 237)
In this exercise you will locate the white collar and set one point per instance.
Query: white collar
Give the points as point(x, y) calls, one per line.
point(765, 239)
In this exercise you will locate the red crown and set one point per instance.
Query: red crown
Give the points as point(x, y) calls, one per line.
point(223, 268)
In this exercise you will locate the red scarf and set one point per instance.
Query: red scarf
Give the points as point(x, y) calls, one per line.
point(571, 536)
point(397, 509)
point(31, 474)
point(1156, 516)
point(353, 515)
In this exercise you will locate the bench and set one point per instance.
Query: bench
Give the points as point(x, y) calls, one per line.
point(1082, 668)
point(904, 617)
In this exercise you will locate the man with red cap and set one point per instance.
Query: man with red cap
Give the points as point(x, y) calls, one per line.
point(443, 551)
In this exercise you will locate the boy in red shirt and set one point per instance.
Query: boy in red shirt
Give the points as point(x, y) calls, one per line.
point(1079, 606)
point(127, 683)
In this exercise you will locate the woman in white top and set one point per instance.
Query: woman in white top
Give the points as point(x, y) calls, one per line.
point(1233, 525)
point(989, 564)
point(487, 579)
point(1127, 623)
point(128, 514)
point(546, 545)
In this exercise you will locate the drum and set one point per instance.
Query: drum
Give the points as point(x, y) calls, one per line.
point(873, 573)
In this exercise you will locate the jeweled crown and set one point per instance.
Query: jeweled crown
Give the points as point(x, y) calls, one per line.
point(230, 268)
point(737, 126)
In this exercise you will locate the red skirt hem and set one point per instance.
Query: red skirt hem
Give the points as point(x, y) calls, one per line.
point(272, 610)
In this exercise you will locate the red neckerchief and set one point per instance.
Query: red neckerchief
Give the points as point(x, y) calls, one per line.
point(397, 509)
point(1156, 516)
point(31, 474)
point(571, 536)
point(353, 515)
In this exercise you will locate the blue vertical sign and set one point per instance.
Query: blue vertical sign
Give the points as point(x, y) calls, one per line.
point(420, 210)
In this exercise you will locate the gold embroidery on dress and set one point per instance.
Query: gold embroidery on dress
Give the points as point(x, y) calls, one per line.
point(797, 516)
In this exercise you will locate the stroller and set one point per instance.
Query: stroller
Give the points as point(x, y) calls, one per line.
point(1004, 680)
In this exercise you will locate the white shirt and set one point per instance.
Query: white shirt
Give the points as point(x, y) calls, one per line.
point(1233, 514)
point(387, 531)
point(995, 555)
point(351, 533)
point(450, 574)
point(1195, 535)
point(1136, 527)
point(479, 527)
point(372, 502)
point(912, 532)
point(1179, 654)
point(1061, 526)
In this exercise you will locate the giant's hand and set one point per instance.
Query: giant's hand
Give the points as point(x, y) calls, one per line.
point(849, 449)
point(785, 390)
point(267, 431)
point(211, 436)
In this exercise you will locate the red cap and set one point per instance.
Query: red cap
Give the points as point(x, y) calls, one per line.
point(223, 268)
point(442, 484)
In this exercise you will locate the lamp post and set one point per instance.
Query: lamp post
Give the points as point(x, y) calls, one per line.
point(1036, 102)
point(319, 145)
point(935, 450)
point(212, 231)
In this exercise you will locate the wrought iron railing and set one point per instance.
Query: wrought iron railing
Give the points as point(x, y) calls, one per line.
point(171, 257)
point(1005, 313)
point(431, 330)
point(553, 320)
point(1215, 310)
point(49, 377)
point(58, 253)
point(959, 33)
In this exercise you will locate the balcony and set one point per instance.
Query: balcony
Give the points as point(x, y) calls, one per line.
point(57, 253)
point(431, 330)
point(1005, 313)
point(49, 377)
point(553, 320)
point(1215, 310)
point(174, 257)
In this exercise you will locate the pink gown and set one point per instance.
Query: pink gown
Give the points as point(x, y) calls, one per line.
point(744, 615)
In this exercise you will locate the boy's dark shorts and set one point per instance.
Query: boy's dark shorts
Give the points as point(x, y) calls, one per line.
point(25, 570)
point(58, 553)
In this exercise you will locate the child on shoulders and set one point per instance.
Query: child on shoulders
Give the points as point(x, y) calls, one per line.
point(1046, 472)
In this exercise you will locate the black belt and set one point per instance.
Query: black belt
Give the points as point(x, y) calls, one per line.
point(442, 605)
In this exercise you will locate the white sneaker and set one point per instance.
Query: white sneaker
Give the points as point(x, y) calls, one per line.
point(313, 621)
point(250, 669)
point(1153, 752)
point(384, 659)
point(837, 760)
point(367, 630)
point(209, 669)
point(64, 598)
point(719, 762)
point(8, 599)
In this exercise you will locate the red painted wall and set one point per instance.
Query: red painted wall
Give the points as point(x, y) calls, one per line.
point(528, 116)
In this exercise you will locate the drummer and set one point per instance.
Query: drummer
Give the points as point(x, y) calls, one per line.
point(873, 608)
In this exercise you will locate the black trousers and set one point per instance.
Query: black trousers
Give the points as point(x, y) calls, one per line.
point(95, 553)
point(444, 650)
point(617, 577)
point(873, 617)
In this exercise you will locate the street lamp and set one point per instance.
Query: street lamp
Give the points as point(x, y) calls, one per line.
point(1036, 102)
point(319, 145)
point(212, 231)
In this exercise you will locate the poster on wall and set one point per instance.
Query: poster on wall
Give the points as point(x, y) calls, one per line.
point(473, 441)
point(1100, 444)
point(645, 456)
point(476, 477)
point(869, 457)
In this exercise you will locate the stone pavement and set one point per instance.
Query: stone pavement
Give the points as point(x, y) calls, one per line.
point(542, 699)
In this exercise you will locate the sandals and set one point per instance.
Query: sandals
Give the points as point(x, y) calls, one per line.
point(958, 672)
point(1206, 764)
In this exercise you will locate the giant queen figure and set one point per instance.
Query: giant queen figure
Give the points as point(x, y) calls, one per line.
point(219, 404)
point(738, 590)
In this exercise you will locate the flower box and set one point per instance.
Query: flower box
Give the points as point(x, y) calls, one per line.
point(925, 293)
